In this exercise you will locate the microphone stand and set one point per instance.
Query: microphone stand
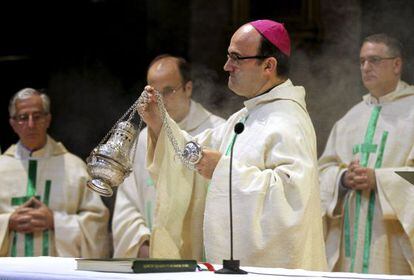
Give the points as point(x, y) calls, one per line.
point(232, 266)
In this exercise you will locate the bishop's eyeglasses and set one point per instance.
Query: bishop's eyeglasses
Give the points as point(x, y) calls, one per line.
point(235, 58)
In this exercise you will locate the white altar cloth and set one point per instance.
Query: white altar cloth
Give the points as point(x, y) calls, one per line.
point(45, 268)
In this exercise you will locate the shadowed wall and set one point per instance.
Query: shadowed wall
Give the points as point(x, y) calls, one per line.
point(93, 61)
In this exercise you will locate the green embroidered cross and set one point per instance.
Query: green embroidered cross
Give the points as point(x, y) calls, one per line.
point(30, 192)
point(365, 149)
point(28, 237)
point(17, 201)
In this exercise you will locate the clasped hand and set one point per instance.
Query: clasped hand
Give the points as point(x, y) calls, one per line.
point(32, 216)
point(359, 178)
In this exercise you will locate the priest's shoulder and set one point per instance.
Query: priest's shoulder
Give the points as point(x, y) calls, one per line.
point(355, 111)
point(216, 120)
point(9, 153)
point(8, 160)
point(60, 150)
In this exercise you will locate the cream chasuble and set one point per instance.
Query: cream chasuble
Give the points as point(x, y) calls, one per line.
point(371, 232)
point(57, 178)
point(276, 202)
point(135, 200)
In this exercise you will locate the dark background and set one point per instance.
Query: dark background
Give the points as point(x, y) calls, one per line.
point(91, 56)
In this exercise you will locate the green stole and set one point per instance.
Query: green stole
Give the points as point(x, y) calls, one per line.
point(16, 201)
point(364, 149)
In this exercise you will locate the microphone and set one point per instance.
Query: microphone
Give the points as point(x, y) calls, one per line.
point(232, 266)
point(238, 128)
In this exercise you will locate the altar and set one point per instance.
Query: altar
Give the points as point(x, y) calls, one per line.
point(45, 268)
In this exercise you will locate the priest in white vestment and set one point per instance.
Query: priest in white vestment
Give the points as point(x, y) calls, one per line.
point(135, 199)
point(276, 200)
point(368, 207)
point(45, 207)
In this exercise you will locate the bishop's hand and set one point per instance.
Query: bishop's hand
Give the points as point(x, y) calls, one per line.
point(149, 111)
point(208, 163)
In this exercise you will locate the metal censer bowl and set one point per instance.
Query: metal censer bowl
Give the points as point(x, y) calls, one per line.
point(109, 163)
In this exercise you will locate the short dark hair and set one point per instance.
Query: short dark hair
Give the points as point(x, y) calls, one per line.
point(184, 67)
point(395, 47)
point(266, 48)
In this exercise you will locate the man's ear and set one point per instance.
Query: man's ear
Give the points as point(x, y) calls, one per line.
point(13, 124)
point(48, 120)
point(188, 87)
point(270, 64)
point(398, 66)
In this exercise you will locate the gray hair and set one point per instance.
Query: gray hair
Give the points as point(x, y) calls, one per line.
point(395, 48)
point(25, 94)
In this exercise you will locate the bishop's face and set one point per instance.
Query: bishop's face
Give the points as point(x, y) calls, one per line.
point(245, 76)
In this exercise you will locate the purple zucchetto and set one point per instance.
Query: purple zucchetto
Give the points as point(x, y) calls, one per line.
point(275, 32)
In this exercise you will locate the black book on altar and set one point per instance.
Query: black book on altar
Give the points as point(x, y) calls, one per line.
point(135, 265)
point(407, 175)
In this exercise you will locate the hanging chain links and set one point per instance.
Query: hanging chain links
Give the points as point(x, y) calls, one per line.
point(131, 111)
point(192, 152)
